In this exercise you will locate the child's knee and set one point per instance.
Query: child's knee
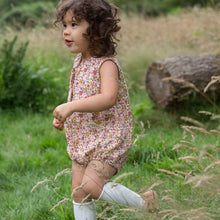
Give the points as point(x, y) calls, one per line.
point(92, 189)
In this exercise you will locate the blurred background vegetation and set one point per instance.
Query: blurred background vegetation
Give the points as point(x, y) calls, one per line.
point(35, 68)
point(29, 12)
point(44, 88)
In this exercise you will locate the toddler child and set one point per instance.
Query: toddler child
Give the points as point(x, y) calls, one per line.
point(97, 117)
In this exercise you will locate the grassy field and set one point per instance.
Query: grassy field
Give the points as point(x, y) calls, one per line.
point(178, 157)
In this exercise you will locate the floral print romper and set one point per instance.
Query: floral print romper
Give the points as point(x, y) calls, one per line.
point(104, 136)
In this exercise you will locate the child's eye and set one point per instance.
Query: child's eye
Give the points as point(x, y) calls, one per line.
point(64, 25)
point(74, 24)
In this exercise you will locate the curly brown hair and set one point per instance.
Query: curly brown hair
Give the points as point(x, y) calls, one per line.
point(103, 23)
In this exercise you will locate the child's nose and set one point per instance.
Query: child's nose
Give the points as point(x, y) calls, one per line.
point(66, 31)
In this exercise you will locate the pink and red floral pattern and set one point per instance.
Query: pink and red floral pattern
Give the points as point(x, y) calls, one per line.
point(105, 136)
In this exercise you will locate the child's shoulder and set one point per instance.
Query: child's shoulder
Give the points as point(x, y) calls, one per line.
point(94, 61)
point(110, 58)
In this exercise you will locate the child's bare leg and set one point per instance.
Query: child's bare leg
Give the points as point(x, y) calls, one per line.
point(95, 177)
point(88, 182)
point(78, 171)
point(83, 208)
point(95, 183)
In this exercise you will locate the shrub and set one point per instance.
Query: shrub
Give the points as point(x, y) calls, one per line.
point(6, 5)
point(24, 86)
point(12, 72)
point(28, 14)
point(156, 7)
point(29, 11)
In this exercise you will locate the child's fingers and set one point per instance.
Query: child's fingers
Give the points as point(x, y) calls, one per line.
point(61, 126)
point(58, 114)
point(56, 121)
point(57, 124)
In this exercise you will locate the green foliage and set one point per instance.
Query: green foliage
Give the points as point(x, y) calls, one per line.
point(6, 5)
point(140, 108)
point(25, 86)
point(156, 7)
point(12, 72)
point(39, 153)
point(28, 14)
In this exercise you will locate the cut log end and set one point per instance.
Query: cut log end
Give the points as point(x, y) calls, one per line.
point(158, 90)
point(169, 81)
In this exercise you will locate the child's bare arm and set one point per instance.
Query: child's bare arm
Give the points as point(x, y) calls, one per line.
point(99, 102)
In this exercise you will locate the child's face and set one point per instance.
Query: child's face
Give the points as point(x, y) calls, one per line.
point(73, 35)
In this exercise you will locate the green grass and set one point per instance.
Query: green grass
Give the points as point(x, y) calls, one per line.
point(31, 150)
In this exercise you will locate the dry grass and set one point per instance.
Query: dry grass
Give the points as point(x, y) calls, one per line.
point(142, 41)
point(215, 79)
point(203, 175)
point(193, 87)
point(193, 31)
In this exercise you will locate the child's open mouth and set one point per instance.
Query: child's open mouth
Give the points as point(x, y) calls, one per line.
point(68, 42)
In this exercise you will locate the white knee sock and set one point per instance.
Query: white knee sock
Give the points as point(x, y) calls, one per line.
point(84, 211)
point(120, 194)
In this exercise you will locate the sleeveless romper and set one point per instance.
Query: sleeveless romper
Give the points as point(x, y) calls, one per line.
point(104, 136)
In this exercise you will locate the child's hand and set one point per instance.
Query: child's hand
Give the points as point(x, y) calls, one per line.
point(61, 112)
point(58, 124)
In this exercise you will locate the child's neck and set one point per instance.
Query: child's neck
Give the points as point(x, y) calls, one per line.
point(85, 56)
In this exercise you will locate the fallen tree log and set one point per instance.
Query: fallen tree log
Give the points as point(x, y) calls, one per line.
point(170, 81)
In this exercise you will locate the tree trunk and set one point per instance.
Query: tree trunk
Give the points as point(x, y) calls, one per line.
point(171, 80)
